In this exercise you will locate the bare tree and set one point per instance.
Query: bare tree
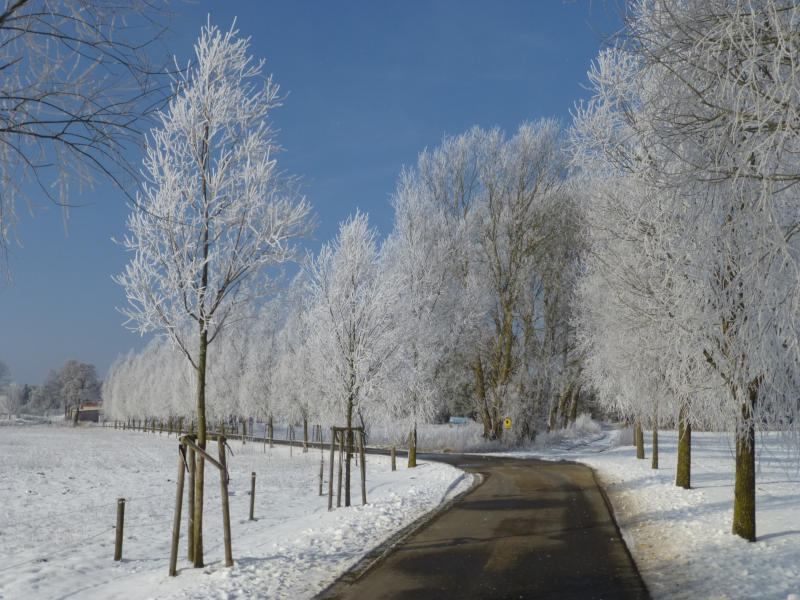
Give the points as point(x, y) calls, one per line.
point(77, 78)
point(216, 213)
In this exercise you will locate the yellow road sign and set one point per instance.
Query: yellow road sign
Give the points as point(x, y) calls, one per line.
point(507, 423)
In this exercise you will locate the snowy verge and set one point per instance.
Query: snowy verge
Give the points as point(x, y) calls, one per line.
point(58, 495)
point(680, 539)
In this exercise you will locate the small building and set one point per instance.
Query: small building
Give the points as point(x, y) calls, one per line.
point(90, 412)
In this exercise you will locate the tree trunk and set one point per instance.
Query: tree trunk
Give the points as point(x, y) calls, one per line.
point(480, 388)
point(562, 406)
point(412, 448)
point(573, 409)
point(199, 478)
point(683, 478)
point(551, 423)
point(639, 435)
point(348, 451)
point(744, 500)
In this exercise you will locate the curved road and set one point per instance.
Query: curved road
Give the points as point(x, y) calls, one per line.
point(532, 529)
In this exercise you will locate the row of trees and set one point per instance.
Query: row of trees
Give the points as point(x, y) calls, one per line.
point(688, 307)
point(74, 384)
point(466, 287)
point(463, 309)
point(661, 271)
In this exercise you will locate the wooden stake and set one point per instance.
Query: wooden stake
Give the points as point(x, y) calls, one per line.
point(190, 507)
point(226, 515)
point(394, 462)
point(363, 468)
point(252, 494)
point(120, 525)
point(176, 523)
point(321, 466)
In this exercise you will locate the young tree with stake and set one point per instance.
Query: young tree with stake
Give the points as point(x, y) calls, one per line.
point(214, 214)
point(350, 324)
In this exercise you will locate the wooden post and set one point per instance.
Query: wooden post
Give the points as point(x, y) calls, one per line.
point(330, 471)
point(339, 481)
point(120, 526)
point(190, 508)
point(226, 515)
point(363, 467)
point(244, 430)
point(271, 430)
point(176, 523)
point(252, 494)
point(394, 462)
point(321, 466)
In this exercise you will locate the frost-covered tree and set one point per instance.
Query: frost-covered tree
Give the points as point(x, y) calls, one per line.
point(214, 214)
point(503, 201)
point(697, 92)
point(417, 256)
point(350, 325)
point(78, 384)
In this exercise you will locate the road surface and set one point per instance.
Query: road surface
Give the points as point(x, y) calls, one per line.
point(532, 529)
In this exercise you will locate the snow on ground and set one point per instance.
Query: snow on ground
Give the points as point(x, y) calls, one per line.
point(680, 539)
point(58, 496)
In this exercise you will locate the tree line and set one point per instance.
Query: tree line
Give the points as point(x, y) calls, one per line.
point(647, 255)
point(74, 384)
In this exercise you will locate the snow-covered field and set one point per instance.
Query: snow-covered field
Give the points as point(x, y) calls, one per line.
point(681, 539)
point(59, 486)
point(58, 496)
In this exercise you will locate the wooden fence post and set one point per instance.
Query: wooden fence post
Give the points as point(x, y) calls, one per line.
point(321, 465)
point(363, 467)
point(271, 430)
point(226, 515)
point(120, 526)
point(252, 494)
point(176, 523)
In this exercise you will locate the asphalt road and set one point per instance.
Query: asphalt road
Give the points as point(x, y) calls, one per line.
point(532, 529)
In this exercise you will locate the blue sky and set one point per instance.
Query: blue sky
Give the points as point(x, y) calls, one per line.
point(370, 84)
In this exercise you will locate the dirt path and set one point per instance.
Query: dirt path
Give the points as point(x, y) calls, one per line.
point(533, 529)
